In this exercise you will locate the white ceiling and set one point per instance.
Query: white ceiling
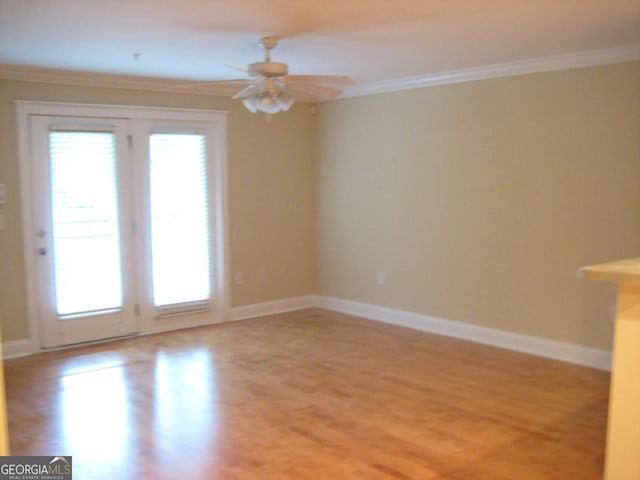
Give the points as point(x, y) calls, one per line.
point(373, 41)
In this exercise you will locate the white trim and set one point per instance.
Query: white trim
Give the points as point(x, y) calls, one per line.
point(567, 352)
point(35, 107)
point(18, 348)
point(269, 308)
point(28, 241)
point(108, 80)
point(628, 53)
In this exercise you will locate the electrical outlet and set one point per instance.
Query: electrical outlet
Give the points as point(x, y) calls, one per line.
point(238, 278)
point(381, 277)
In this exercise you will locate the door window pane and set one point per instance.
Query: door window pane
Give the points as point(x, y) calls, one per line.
point(179, 219)
point(86, 237)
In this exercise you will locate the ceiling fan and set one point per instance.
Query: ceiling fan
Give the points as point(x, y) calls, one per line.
point(271, 89)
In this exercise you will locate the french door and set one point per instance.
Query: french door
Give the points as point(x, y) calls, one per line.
point(126, 223)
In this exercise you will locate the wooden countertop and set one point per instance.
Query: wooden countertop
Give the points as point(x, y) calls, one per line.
point(622, 271)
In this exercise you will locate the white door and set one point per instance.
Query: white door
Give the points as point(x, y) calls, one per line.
point(82, 219)
point(126, 223)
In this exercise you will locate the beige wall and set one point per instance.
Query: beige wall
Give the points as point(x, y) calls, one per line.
point(271, 195)
point(480, 200)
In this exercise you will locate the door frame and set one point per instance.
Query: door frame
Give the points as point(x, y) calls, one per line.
point(25, 109)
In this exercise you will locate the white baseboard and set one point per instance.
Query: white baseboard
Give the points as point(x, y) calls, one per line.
point(24, 347)
point(18, 348)
point(541, 347)
point(269, 308)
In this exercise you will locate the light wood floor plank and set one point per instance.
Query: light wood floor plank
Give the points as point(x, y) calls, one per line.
point(308, 395)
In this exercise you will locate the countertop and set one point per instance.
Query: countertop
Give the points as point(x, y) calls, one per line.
point(621, 272)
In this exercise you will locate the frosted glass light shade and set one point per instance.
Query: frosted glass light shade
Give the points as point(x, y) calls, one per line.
point(268, 102)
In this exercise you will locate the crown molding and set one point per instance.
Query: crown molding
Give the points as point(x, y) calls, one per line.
point(106, 80)
point(628, 53)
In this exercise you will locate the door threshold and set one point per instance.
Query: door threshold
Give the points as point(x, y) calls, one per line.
point(89, 343)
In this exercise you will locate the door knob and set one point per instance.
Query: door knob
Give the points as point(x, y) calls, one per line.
point(42, 251)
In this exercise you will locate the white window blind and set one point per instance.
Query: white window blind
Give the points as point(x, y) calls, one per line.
point(180, 247)
point(85, 223)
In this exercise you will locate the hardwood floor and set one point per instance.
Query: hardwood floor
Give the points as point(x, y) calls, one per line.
point(308, 395)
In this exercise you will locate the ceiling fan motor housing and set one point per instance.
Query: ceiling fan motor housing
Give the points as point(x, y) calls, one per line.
point(268, 69)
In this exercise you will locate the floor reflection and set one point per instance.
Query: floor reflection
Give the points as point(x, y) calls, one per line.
point(102, 426)
point(185, 416)
point(95, 414)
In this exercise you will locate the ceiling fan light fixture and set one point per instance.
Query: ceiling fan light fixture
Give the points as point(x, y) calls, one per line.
point(251, 103)
point(286, 101)
point(268, 102)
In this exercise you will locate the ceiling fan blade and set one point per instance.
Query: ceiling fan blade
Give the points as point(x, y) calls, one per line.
point(323, 79)
point(239, 69)
point(216, 87)
point(309, 91)
point(233, 81)
point(246, 92)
